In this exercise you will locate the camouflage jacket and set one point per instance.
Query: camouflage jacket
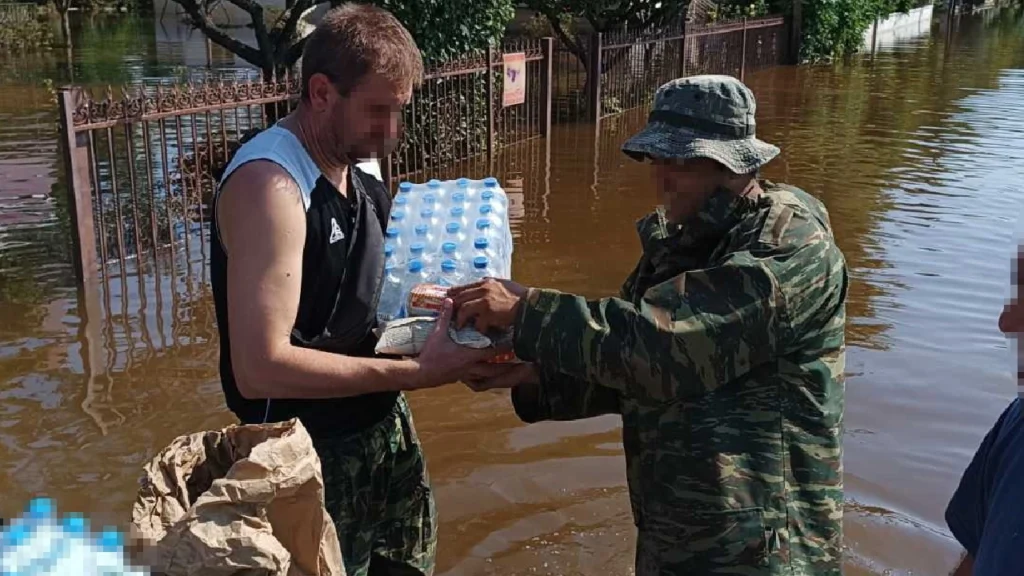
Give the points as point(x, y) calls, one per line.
point(724, 355)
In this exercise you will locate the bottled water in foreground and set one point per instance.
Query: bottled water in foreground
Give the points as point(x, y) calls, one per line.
point(41, 544)
point(390, 306)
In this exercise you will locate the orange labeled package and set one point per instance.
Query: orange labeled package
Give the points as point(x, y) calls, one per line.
point(426, 300)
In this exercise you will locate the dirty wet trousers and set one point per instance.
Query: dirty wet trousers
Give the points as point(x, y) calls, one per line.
point(378, 494)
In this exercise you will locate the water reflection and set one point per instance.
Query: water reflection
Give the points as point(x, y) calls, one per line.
point(912, 150)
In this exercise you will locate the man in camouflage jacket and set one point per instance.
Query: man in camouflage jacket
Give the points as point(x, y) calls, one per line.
point(723, 354)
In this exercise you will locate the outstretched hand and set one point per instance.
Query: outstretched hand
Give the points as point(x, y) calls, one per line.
point(442, 361)
point(489, 305)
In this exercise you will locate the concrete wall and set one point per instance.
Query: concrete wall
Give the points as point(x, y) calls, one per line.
point(900, 27)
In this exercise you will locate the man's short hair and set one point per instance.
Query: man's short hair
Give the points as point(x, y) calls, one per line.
point(353, 39)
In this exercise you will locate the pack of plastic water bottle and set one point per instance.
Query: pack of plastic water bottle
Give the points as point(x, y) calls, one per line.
point(41, 543)
point(447, 233)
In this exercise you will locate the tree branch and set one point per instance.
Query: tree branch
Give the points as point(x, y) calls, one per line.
point(287, 34)
point(255, 11)
point(202, 22)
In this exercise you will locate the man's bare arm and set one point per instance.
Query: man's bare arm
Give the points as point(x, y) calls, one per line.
point(262, 223)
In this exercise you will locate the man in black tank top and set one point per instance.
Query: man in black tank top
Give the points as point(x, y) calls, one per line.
point(296, 267)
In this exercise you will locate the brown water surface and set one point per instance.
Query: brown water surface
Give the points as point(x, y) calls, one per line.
point(918, 153)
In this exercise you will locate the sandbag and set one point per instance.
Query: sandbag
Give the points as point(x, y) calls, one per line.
point(245, 500)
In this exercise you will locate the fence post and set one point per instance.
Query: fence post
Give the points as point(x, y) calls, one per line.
point(594, 77)
point(75, 149)
point(682, 51)
point(795, 32)
point(548, 48)
point(743, 56)
point(874, 36)
point(490, 103)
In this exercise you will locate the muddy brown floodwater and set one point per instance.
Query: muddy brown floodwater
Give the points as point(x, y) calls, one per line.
point(918, 152)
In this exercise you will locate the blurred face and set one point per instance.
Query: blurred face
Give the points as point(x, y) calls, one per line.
point(684, 185)
point(365, 124)
point(1011, 321)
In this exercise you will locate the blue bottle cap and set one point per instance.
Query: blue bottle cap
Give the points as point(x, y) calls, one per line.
point(452, 227)
point(415, 266)
point(458, 196)
point(75, 523)
point(416, 248)
point(434, 183)
point(40, 508)
point(392, 232)
point(462, 182)
point(421, 229)
point(487, 195)
point(483, 223)
point(427, 212)
point(401, 200)
point(490, 181)
point(485, 209)
point(389, 266)
point(16, 536)
point(449, 247)
point(448, 266)
point(480, 243)
point(429, 198)
point(480, 262)
point(457, 211)
point(397, 215)
point(404, 186)
point(389, 249)
point(111, 539)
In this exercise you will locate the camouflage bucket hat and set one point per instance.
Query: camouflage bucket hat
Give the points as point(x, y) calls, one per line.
point(708, 116)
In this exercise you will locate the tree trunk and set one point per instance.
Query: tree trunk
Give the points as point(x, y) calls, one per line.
point(65, 25)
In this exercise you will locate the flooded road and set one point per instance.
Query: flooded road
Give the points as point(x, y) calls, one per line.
point(918, 152)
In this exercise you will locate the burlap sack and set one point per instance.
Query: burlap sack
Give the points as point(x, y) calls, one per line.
point(243, 500)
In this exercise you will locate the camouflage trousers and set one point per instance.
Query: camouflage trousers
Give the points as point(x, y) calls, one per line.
point(378, 494)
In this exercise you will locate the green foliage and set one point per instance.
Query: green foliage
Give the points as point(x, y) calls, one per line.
point(447, 29)
point(733, 11)
point(835, 28)
point(538, 26)
point(25, 29)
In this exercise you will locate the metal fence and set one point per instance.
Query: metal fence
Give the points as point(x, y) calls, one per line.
point(13, 14)
point(630, 65)
point(142, 166)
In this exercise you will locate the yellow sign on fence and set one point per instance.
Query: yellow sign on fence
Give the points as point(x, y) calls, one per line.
point(515, 79)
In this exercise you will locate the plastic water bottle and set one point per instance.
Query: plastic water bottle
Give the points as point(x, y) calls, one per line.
point(487, 211)
point(393, 237)
point(426, 235)
point(401, 202)
point(449, 275)
point(404, 189)
point(429, 217)
point(481, 269)
point(416, 273)
point(494, 192)
point(458, 214)
point(455, 233)
point(110, 559)
point(33, 539)
point(436, 189)
point(79, 552)
point(482, 246)
point(458, 199)
point(451, 251)
point(399, 222)
point(390, 305)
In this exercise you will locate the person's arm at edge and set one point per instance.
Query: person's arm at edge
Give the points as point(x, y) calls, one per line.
point(262, 224)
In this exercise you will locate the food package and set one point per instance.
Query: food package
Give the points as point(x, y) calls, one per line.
point(406, 336)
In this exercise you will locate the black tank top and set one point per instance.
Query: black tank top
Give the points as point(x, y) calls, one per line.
point(342, 268)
